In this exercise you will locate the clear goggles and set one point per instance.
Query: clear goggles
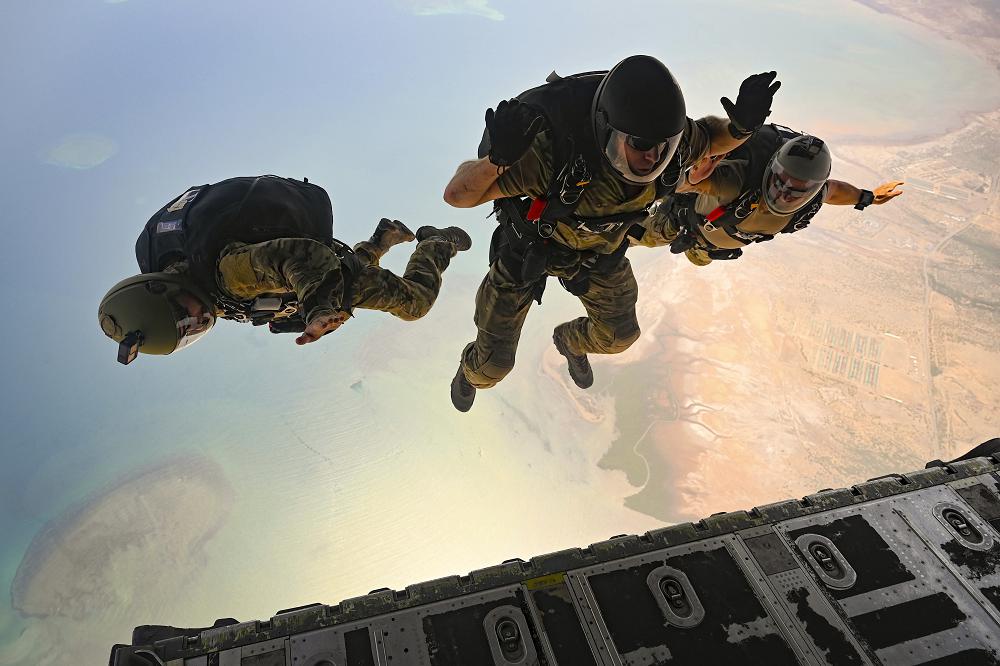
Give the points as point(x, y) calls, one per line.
point(192, 317)
point(784, 194)
point(636, 159)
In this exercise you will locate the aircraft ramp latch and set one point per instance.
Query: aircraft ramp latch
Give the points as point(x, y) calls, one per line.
point(506, 629)
point(827, 561)
point(960, 526)
point(676, 597)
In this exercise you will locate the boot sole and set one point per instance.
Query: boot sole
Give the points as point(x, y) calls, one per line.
point(457, 399)
point(462, 241)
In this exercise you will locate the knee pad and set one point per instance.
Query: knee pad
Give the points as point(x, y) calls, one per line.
point(625, 338)
point(618, 339)
point(491, 371)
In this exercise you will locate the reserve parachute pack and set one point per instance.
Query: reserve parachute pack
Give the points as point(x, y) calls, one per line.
point(900, 570)
point(757, 152)
point(196, 226)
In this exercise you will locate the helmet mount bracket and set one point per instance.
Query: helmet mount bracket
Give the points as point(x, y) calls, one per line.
point(128, 348)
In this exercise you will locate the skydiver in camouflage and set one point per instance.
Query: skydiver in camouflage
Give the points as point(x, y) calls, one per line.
point(261, 250)
point(773, 184)
point(572, 165)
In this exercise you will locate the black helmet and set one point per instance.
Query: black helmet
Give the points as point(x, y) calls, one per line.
point(639, 104)
point(796, 173)
point(155, 313)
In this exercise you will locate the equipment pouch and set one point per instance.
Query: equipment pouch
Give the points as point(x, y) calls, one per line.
point(533, 263)
point(577, 286)
point(288, 325)
point(735, 253)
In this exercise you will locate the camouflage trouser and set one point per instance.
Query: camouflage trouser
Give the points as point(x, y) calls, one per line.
point(410, 296)
point(502, 304)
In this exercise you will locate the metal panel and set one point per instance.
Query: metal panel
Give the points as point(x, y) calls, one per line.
point(230, 657)
point(628, 618)
point(909, 601)
point(449, 631)
point(314, 647)
point(809, 622)
point(557, 617)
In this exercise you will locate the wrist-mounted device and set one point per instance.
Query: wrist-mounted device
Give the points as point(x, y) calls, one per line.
point(865, 200)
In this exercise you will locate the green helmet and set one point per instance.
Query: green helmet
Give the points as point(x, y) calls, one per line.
point(155, 313)
point(796, 173)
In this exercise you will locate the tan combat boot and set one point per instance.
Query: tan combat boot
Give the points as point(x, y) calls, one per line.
point(387, 233)
point(579, 367)
point(454, 235)
point(462, 392)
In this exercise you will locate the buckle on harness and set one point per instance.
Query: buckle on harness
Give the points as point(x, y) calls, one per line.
point(534, 214)
point(746, 205)
point(574, 180)
point(605, 227)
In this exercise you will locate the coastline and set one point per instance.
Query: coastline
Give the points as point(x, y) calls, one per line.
point(920, 16)
point(59, 571)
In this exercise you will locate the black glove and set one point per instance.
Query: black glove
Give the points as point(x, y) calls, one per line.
point(512, 128)
point(753, 104)
point(684, 241)
point(734, 253)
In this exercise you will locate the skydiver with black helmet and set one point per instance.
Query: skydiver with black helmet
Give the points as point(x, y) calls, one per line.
point(571, 166)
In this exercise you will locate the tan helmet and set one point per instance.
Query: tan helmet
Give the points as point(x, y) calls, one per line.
point(155, 313)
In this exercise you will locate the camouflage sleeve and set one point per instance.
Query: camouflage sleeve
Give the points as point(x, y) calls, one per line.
point(695, 142)
point(306, 267)
point(726, 182)
point(530, 175)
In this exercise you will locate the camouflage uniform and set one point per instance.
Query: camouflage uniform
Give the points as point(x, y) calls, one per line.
point(660, 229)
point(503, 299)
point(726, 183)
point(314, 273)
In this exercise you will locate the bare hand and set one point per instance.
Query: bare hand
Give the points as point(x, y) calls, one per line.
point(887, 191)
point(320, 326)
point(703, 168)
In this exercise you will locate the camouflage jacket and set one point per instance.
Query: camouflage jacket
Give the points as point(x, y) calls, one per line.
point(307, 268)
point(605, 196)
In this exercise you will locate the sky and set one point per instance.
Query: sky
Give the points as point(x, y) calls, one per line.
point(113, 108)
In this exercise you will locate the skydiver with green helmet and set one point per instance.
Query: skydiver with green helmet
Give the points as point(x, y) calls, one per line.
point(260, 249)
point(571, 166)
point(773, 184)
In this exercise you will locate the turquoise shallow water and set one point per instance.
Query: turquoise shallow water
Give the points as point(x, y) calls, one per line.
point(76, 422)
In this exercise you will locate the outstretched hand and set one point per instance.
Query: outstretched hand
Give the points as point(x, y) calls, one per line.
point(886, 191)
point(322, 325)
point(512, 128)
point(753, 104)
